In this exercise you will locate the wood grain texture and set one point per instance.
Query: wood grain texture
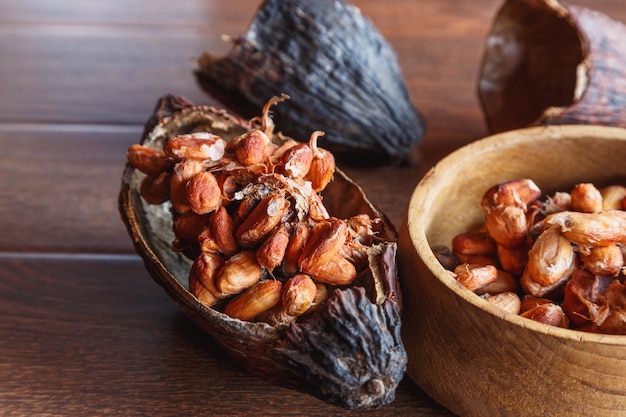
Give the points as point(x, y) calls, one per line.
point(84, 329)
point(60, 184)
point(94, 335)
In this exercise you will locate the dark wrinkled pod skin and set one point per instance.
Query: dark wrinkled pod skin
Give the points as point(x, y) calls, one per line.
point(342, 76)
point(359, 325)
point(550, 63)
point(340, 338)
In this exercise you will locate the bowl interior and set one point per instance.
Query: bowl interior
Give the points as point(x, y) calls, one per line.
point(556, 158)
point(447, 200)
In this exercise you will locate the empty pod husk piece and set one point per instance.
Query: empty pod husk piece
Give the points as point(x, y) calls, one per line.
point(343, 77)
point(347, 352)
point(550, 63)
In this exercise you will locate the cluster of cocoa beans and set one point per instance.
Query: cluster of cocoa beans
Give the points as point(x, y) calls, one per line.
point(557, 260)
point(249, 213)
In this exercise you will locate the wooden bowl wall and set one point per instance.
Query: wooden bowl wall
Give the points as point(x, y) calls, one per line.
point(473, 358)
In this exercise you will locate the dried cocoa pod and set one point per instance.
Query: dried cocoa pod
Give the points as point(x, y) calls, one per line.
point(343, 78)
point(370, 309)
point(571, 79)
point(325, 335)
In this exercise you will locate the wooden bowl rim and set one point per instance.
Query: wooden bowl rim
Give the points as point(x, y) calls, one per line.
point(421, 202)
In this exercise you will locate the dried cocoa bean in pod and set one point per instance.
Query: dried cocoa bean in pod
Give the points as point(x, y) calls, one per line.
point(357, 325)
point(342, 75)
point(550, 63)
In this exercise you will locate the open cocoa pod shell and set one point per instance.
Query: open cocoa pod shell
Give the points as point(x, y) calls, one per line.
point(343, 78)
point(551, 63)
point(347, 352)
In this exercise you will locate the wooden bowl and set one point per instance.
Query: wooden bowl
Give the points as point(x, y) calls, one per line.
point(471, 357)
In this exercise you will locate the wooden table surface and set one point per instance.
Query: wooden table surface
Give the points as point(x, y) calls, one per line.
point(84, 330)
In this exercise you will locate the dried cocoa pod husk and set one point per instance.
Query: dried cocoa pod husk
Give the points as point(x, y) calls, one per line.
point(343, 78)
point(297, 354)
point(547, 62)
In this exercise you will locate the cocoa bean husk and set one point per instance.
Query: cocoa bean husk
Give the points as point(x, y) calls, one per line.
point(342, 75)
point(546, 62)
point(347, 351)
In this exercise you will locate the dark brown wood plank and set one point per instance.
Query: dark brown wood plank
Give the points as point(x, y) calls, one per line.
point(138, 12)
point(94, 75)
point(95, 335)
point(59, 187)
point(127, 12)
